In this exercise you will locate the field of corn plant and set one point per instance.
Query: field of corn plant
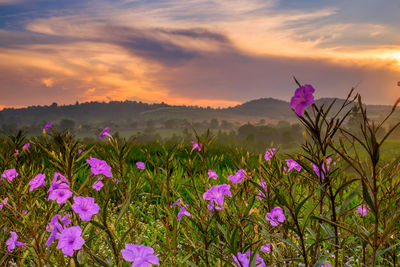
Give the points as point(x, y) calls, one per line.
point(113, 203)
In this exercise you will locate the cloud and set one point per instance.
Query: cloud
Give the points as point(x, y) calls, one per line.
point(216, 53)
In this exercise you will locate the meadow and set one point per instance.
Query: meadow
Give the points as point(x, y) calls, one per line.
point(333, 201)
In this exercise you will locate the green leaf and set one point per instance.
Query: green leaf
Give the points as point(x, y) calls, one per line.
point(234, 241)
point(348, 200)
point(98, 225)
point(248, 208)
point(97, 258)
point(301, 204)
point(391, 225)
point(285, 240)
point(123, 210)
point(323, 259)
point(368, 197)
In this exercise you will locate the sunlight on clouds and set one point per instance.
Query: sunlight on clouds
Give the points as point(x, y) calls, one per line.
point(393, 55)
point(117, 51)
point(48, 82)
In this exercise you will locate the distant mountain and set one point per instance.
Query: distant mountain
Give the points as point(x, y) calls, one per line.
point(97, 112)
point(263, 107)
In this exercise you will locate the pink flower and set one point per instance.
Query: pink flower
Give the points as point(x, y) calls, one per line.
point(98, 185)
point(176, 202)
point(321, 172)
point(326, 265)
point(196, 146)
point(105, 133)
point(12, 242)
point(47, 126)
point(216, 195)
point(25, 147)
point(55, 227)
point(266, 248)
point(139, 255)
point(243, 259)
point(183, 212)
point(303, 97)
point(212, 174)
point(85, 207)
point(59, 189)
point(275, 216)
point(80, 151)
point(10, 174)
point(98, 166)
point(292, 164)
point(261, 194)
point(140, 165)
point(16, 153)
point(363, 210)
point(3, 203)
point(269, 153)
point(38, 181)
point(237, 177)
point(70, 239)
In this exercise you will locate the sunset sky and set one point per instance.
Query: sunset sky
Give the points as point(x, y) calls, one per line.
point(195, 52)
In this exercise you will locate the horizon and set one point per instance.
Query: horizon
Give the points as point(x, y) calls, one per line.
point(207, 53)
point(176, 105)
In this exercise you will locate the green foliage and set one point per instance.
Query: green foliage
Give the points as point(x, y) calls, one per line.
point(341, 170)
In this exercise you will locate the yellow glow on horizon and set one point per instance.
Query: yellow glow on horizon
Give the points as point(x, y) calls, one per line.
point(393, 55)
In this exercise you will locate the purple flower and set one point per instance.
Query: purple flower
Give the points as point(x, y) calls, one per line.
point(55, 227)
point(269, 153)
point(212, 174)
point(98, 166)
point(275, 216)
point(237, 177)
point(3, 203)
point(140, 165)
point(326, 265)
point(140, 256)
point(70, 239)
point(85, 207)
point(196, 146)
point(25, 211)
point(25, 147)
point(176, 202)
point(183, 212)
point(59, 189)
point(105, 133)
point(115, 180)
point(98, 185)
point(216, 195)
point(363, 210)
point(321, 173)
point(261, 194)
point(38, 181)
point(61, 194)
point(10, 174)
point(12, 242)
point(243, 259)
point(303, 97)
point(292, 164)
point(47, 126)
point(80, 151)
point(266, 248)
point(16, 153)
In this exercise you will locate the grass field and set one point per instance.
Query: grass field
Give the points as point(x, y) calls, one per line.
point(67, 201)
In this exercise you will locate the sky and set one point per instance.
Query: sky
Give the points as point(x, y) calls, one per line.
point(214, 53)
